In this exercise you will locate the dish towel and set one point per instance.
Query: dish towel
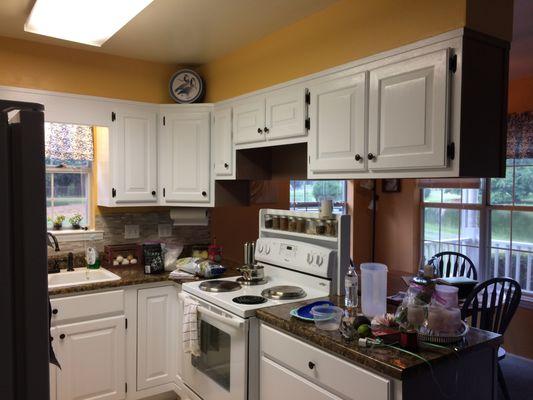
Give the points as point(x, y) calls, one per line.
point(190, 327)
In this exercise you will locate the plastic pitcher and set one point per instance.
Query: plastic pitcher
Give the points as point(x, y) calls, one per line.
point(373, 289)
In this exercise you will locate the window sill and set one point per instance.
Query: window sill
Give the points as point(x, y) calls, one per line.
point(76, 235)
point(526, 301)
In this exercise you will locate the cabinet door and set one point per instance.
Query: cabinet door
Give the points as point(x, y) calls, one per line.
point(222, 144)
point(278, 382)
point(92, 358)
point(285, 113)
point(409, 113)
point(157, 336)
point(135, 157)
point(185, 148)
point(337, 136)
point(249, 121)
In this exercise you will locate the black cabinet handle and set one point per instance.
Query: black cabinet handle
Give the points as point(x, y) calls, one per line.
point(153, 192)
point(62, 336)
point(54, 311)
point(358, 157)
point(259, 130)
point(311, 365)
point(204, 193)
point(266, 130)
point(226, 165)
point(371, 156)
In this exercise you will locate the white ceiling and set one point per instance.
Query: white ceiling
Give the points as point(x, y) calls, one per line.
point(521, 58)
point(180, 31)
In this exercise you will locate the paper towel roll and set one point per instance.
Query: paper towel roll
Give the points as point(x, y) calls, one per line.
point(189, 216)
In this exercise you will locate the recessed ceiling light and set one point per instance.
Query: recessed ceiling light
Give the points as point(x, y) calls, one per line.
point(84, 21)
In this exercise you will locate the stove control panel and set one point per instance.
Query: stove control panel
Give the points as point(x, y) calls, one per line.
point(295, 255)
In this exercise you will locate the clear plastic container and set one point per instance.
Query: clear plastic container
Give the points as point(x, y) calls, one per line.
point(373, 289)
point(326, 317)
point(447, 295)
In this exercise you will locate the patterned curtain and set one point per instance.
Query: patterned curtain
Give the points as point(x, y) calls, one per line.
point(520, 135)
point(67, 142)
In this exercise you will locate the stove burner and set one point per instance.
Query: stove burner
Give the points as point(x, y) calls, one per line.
point(284, 292)
point(219, 286)
point(249, 300)
point(247, 282)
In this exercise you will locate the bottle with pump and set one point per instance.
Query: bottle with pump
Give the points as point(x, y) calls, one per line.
point(351, 288)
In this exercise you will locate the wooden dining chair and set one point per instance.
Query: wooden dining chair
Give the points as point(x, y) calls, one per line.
point(491, 306)
point(453, 264)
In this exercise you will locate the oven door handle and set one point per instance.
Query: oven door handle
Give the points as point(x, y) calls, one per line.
point(225, 320)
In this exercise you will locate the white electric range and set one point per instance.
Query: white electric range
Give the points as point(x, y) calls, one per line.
point(296, 266)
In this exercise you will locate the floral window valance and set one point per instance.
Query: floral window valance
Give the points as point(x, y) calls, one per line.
point(68, 142)
point(520, 135)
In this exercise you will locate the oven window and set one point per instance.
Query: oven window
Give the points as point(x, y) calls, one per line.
point(215, 357)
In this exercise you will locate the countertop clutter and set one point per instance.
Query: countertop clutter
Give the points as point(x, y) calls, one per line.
point(387, 361)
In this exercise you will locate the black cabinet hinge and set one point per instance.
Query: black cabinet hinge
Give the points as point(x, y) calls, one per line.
point(450, 151)
point(113, 116)
point(308, 123)
point(164, 192)
point(164, 121)
point(453, 63)
point(126, 323)
point(307, 97)
point(113, 192)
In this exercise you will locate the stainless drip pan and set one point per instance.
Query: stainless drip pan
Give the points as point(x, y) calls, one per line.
point(219, 286)
point(284, 292)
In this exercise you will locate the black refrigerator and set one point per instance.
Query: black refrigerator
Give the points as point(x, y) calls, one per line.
point(23, 259)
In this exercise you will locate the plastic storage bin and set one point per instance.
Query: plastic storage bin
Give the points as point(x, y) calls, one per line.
point(373, 289)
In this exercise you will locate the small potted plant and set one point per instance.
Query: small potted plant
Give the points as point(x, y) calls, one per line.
point(75, 221)
point(58, 222)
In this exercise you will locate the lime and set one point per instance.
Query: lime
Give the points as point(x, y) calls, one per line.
point(364, 331)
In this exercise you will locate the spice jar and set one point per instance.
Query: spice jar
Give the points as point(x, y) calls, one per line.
point(310, 226)
point(292, 224)
point(300, 225)
point(268, 221)
point(275, 222)
point(320, 227)
point(283, 223)
point(331, 227)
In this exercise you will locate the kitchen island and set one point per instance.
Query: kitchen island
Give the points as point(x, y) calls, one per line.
point(323, 365)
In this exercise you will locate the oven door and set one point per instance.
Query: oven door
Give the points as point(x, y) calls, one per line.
point(220, 372)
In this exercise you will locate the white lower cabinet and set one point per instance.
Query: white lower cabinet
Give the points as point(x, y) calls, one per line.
point(157, 336)
point(92, 357)
point(293, 369)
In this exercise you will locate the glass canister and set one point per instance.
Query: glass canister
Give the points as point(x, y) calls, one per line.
point(300, 225)
point(275, 222)
point(269, 221)
point(292, 224)
point(284, 223)
point(310, 227)
point(331, 227)
point(320, 227)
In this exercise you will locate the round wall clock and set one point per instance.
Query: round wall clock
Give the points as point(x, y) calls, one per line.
point(186, 86)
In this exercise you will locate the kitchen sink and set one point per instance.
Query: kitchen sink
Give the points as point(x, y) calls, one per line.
point(80, 276)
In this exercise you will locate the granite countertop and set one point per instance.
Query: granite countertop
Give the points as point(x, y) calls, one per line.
point(385, 360)
point(134, 275)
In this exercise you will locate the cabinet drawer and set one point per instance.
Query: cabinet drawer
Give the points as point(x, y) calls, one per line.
point(87, 305)
point(330, 372)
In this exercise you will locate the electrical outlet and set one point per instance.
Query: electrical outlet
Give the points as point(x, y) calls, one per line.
point(164, 230)
point(131, 231)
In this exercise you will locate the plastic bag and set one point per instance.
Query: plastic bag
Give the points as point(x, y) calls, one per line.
point(172, 252)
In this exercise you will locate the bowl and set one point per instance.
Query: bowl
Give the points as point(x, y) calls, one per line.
point(327, 317)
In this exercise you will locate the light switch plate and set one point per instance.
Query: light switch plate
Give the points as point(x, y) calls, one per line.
point(131, 231)
point(164, 230)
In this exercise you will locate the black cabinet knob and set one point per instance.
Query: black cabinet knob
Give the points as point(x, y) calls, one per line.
point(259, 130)
point(311, 365)
point(358, 157)
point(204, 193)
point(266, 130)
point(226, 165)
point(153, 192)
point(62, 336)
point(371, 156)
point(54, 311)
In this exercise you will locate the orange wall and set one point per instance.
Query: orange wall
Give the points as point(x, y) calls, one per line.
point(521, 95)
point(41, 66)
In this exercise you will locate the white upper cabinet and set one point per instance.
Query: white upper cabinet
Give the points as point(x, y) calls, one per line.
point(285, 113)
point(408, 114)
point(249, 121)
point(337, 135)
point(135, 157)
point(185, 158)
point(222, 142)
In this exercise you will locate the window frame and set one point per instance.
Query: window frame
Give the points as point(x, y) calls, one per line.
point(343, 205)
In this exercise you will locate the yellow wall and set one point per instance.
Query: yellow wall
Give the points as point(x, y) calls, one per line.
point(41, 66)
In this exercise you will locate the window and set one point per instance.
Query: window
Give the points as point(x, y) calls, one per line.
point(307, 195)
point(68, 158)
point(489, 220)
